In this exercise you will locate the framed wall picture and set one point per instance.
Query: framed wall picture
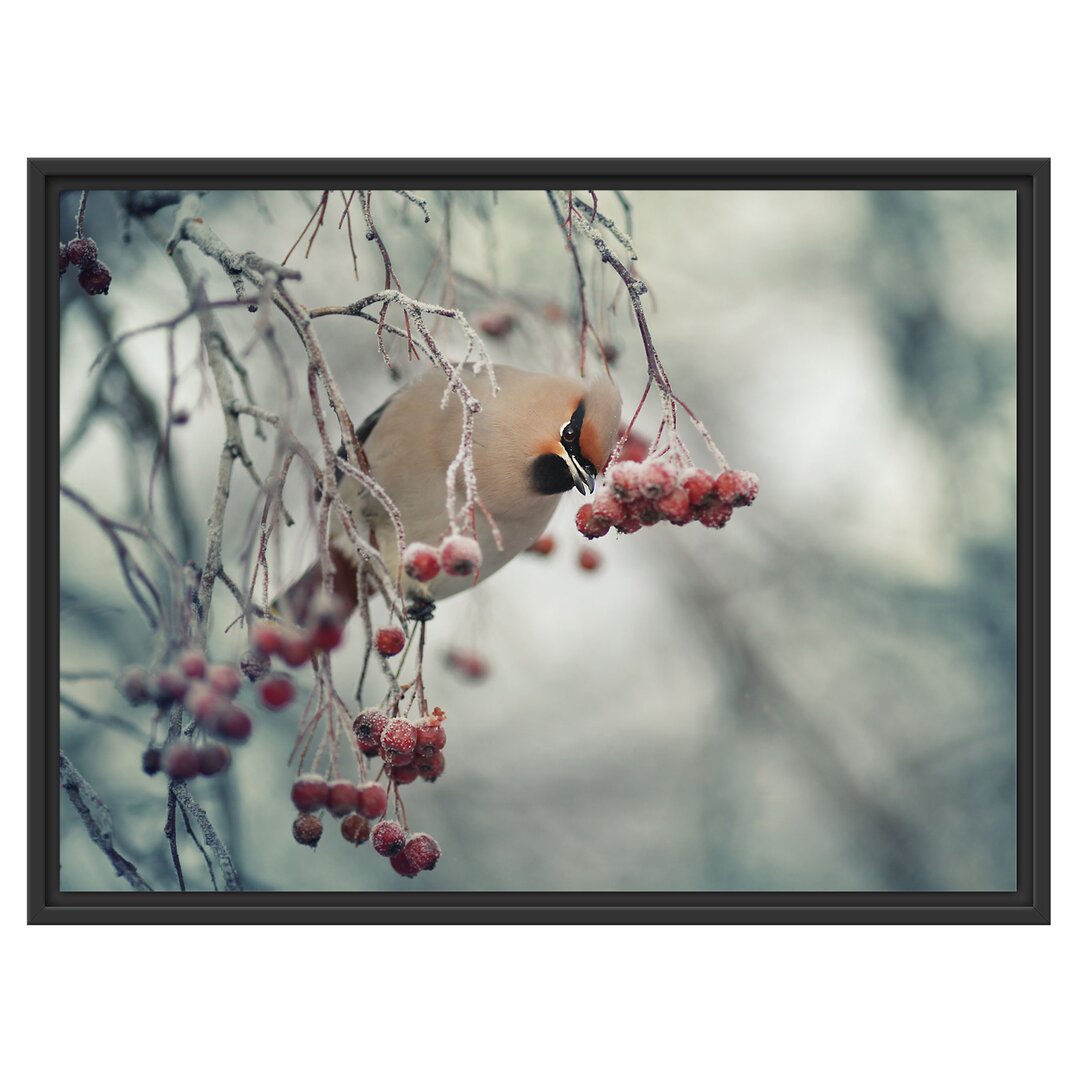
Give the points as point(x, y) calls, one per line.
point(584, 541)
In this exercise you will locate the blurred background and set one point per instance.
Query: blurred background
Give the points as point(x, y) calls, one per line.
point(821, 696)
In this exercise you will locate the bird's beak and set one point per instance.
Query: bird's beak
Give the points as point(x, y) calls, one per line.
point(583, 480)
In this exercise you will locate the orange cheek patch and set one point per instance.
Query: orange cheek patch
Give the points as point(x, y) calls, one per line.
point(594, 453)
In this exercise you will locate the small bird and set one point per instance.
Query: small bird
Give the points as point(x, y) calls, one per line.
point(540, 436)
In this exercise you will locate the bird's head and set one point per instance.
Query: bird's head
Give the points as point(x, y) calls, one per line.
point(582, 423)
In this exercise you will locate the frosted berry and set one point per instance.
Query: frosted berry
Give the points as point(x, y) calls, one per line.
point(644, 511)
point(431, 768)
point(355, 829)
point(255, 664)
point(134, 684)
point(404, 774)
point(542, 545)
point(388, 838)
point(193, 664)
point(214, 757)
point(341, 798)
point(675, 507)
point(714, 516)
point(167, 687)
point(737, 487)
point(606, 507)
point(276, 691)
point(371, 801)
point(390, 640)
point(430, 738)
point(294, 648)
point(225, 679)
point(422, 851)
point(590, 526)
point(657, 479)
point(698, 485)
point(82, 252)
point(399, 737)
point(266, 637)
point(95, 280)
point(206, 705)
point(151, 761)
point(368, 727)
point(328, 627)
point(496, 324)
point(421, 562)
point(624, 479)
point(180, 761)
point(400, 862)
point(459, 556)
point(307, 829)
point(234, 725)
point(589, 559)
point(309, 792)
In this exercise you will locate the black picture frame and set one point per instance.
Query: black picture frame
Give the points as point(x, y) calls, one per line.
point(1029, 904)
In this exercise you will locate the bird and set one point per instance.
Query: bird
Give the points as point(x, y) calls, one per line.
point(540, 436)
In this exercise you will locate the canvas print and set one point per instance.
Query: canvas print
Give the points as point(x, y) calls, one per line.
point(523, 540)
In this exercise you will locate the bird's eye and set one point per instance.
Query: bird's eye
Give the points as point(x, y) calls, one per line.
point(569, 434)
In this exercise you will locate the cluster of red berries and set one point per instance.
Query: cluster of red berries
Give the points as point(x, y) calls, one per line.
point(205, 690)
point(94, 276)
point(643, 493)
point(295, 647)
point(458, 556)
point(409, 751)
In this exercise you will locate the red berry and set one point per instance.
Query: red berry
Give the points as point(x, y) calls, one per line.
point(459, 556)
point(542, 545)
point(714, 516)
point(255, 664)
point(422, 851)
point(389, 641)
point(430, 738)
point(388, 838)
point(624, 479)
point(467, 664)
point(206, 705)
point(328, 626)
point(180, 761)
point(95, 280)
point(675, 507)
point(168, 686)
point(294, 648)
point(404, 774)
point(588, 559)
point(737, 487)
point(266, 637)
point(371, 801)
point(644, 511)
point(355, 829)
point(307, 829)
point(225, 679)
point(421, 562)
point(629, 525)
point(657, 479)
point(214, 757)
point(431, 768)
point(234, 725)
point(399, 737)
point(193, 664)
point(276, 691)
point(82, 252)
point(369, 728)
point(134, 684)
point(635, 448)
point(496, 324)
point(698, 485)
point(151, 761)
point(341, 798)
point(400, 862)
point(309, 792)
point(606, 507)
point(590, 526)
